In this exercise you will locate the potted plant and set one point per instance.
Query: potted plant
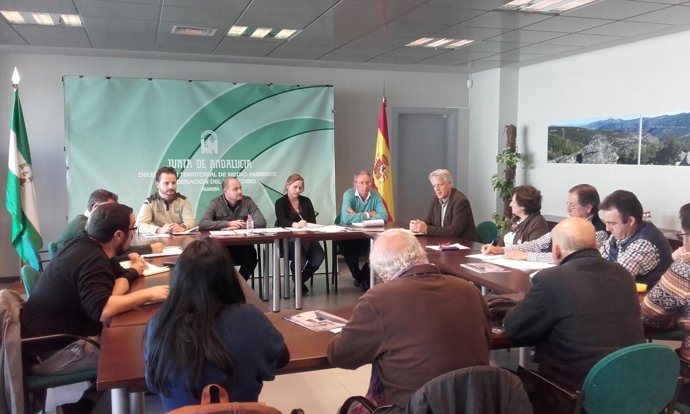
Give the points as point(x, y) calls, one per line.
point(503, 182)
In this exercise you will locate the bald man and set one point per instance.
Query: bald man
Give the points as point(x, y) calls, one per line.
point(415, 326)
point(577, 312)
point(229, 211)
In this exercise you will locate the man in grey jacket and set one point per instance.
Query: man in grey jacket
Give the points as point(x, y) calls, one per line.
point(229, 211)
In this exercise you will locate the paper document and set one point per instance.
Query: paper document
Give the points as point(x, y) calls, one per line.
point(167, 251)
point(147, 235)
point(448, 246)
point(222, 233)
point(522, 264)
point(151, 269)
point(188, 231)
point(481, 256)
point(370, 223)
point(484, 267)
point(317, 321)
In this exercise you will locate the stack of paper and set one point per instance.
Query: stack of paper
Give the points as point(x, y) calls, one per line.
point(151, 269)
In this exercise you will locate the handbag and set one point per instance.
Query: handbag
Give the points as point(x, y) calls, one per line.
point(498, 307)
point(223, 406)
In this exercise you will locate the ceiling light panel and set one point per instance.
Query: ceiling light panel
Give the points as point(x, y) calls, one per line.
point(43, 19)
point(444, 43)
point(546, 6)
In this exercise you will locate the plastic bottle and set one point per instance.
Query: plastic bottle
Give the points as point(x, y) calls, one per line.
point(250, 225)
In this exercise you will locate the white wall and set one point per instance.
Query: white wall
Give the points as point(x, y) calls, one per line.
point(485, 130)
point(357, 101)
point(649, 76)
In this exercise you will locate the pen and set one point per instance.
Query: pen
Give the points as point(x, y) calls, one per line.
point(494, 242)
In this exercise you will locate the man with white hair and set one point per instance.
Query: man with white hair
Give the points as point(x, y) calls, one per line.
point(450, 213)
point(415, 326)
point(575, 313)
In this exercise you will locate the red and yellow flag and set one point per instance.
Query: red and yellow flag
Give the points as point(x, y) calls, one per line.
point(383, 175)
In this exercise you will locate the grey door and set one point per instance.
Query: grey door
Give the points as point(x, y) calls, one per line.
point(424, 142)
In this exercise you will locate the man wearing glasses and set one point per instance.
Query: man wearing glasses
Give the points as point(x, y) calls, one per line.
point(79, 291)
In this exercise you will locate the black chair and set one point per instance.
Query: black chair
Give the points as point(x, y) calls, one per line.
point(472, 390)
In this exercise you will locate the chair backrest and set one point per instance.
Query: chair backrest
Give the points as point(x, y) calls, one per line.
point(337, 219)
point(29, 278)
point(472, 390)
point(52, 249)
point(487, 231)
point(34, 258)
point(640, 378)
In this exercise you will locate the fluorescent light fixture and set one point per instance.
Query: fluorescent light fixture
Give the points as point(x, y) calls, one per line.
point(573, 5)
point(236, 31)
point(439, 42)
point(70, 20)
point(545, 6)
point(13, 17)
point(44, 19)
point(284, 34)
point(443, 42)
point(193, 31)
point(420, 42)
point(459, 43)
point(261, 32)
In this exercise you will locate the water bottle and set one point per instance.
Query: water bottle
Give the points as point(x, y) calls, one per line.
point(250, 225)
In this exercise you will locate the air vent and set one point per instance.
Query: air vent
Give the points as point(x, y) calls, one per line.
point(193, 31)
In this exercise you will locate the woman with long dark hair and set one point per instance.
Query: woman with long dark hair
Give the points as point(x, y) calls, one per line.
point(205, 333)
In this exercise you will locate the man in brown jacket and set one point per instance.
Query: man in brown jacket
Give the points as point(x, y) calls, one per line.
point(450, 213)
point(415, 326)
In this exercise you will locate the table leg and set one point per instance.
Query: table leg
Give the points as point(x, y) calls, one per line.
point(119, 401)
point(276, 275)
point(286, 268)
point(264, 280)
point(298, 273)
point(372, 278)
point(137, 403)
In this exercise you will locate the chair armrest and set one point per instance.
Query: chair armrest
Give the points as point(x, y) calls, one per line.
point(47, 338)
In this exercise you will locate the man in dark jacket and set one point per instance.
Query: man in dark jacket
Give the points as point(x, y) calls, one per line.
point(450, 213)
point(578, 312)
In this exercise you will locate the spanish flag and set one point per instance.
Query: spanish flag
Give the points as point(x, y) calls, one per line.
point(383, 175)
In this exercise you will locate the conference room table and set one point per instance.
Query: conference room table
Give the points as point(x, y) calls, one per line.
point(121, 364)
point(511, 282)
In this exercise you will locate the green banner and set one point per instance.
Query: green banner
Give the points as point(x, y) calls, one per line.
point(119, 131)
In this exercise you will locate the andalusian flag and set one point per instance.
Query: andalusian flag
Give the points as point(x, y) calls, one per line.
point(21, 193)
point(383, 176)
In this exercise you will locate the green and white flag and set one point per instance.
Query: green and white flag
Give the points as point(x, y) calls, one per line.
point(21, 192)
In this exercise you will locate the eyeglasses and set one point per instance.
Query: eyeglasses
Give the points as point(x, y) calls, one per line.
point(133, 228)
point(680, 236)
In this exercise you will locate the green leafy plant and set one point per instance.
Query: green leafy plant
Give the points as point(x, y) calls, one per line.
point(503, 182)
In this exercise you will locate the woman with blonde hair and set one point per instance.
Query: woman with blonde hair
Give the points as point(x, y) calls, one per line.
point(295, 210)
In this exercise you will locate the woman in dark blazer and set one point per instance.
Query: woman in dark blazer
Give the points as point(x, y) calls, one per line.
point(295, 210)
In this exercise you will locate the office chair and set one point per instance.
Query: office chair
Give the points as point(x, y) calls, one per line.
point(487, 231)
point(29, 277)
point(471, 390)
point(29, 390)
point(620, 382)
point(34, 259)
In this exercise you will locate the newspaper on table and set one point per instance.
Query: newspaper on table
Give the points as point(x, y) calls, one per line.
point(317, 320)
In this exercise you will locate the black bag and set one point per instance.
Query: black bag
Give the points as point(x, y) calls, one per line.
point(498, 307)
